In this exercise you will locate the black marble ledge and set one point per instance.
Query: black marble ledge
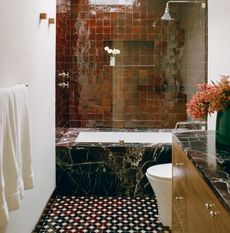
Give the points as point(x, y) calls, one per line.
point(211, 159)
point(65, 137)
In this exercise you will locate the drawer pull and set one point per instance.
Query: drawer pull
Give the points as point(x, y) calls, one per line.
point(214, 213)
point(208, 206)
point(179, 198)
point(179, 164)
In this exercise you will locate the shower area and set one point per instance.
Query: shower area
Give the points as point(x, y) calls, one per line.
point(154, 76)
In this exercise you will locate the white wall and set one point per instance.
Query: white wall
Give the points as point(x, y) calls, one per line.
point(218, 42)
point(27, 55)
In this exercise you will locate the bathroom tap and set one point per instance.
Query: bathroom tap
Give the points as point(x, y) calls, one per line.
point(63, 85)
point(66, 75)
point(63, 75)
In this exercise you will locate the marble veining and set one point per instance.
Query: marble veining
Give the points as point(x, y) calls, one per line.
point(99, 169)
point(211, 159)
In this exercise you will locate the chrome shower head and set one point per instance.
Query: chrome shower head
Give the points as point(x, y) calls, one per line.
point(166, 16)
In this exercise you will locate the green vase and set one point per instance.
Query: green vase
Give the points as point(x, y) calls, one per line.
point(223, 127)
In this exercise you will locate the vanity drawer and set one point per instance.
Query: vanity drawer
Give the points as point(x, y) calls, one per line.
point(205, 212)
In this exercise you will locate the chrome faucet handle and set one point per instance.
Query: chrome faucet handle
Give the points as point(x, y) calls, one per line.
point(61, 74)
point(63, 85)
point(66, 75)
point(191, 125)
point(60, 84)
point(66, 85)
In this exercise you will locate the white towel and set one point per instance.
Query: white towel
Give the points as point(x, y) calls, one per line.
point(12, 108)
point(22, 135)
point(10, 180)
point(4, 215)
point(15, 149)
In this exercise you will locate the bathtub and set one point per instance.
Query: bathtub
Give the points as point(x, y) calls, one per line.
point(124, 137)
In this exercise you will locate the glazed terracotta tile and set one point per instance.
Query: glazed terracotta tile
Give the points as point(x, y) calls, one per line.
point(83, 30)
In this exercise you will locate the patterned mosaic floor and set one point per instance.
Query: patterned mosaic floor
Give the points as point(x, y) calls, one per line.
point(100, 215)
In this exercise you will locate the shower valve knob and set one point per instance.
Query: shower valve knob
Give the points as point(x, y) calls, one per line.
point(64, 75)
point(60, 74)
point(63, 85)
point(66, 85)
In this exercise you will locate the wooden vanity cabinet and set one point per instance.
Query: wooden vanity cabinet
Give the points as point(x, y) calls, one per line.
point(195, 208)
point(179, 187)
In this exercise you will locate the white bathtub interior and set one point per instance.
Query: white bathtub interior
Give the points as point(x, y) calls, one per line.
point(126, 137)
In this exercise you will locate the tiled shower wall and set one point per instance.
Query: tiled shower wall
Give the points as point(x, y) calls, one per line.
point(145, 88)
point(63, 60)
point(194, 64)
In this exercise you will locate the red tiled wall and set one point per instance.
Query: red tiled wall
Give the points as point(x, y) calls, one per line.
point(131, 96)
point(194, 67)
point(133, 93)
point(63, 60)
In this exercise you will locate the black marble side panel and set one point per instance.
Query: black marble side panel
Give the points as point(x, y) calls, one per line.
point(107, 171)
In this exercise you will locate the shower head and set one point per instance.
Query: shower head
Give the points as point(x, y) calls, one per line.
point(166, 16)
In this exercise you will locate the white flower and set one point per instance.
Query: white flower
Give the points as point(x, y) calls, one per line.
point(112, 52)
point(116, 51)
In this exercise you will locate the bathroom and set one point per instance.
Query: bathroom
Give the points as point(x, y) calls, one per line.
point(44, 55)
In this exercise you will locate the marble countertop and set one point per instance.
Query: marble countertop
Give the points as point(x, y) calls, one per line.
point(211, 159)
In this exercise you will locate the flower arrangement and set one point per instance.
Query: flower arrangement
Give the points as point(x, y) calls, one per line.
point(210, 98)
point(112, 52)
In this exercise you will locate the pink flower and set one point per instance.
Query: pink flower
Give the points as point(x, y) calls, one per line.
point(210, 98)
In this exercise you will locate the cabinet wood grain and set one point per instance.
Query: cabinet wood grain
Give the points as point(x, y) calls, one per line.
point(196, 209)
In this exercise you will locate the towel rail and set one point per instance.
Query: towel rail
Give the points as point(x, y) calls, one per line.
point(25, 84)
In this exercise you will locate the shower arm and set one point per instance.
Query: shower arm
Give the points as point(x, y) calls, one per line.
point(195, 2)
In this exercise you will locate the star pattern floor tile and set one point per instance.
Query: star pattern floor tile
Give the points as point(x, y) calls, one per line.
point(100, 215)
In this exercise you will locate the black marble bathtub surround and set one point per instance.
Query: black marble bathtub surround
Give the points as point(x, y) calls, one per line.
point(107, 171)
